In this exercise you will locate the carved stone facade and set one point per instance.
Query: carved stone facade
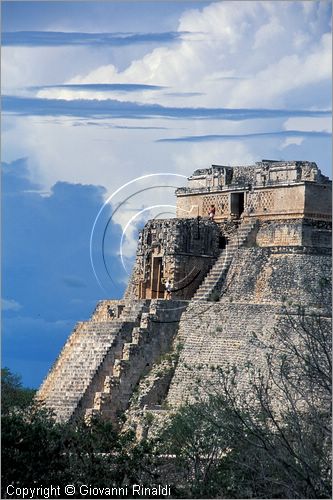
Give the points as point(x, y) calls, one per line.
point(179, 250)
point(267, 190)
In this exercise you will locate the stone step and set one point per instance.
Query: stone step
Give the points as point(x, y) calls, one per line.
point(86, 351)
point(134, 361)
point(222, 264)
point(209, 283)
point(219, 269)
point(87, 356)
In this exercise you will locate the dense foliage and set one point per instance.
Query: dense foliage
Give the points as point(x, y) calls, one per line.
point(36, 450)
point(12, 392)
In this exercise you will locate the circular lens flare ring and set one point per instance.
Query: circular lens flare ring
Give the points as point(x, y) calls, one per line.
point(107, 202)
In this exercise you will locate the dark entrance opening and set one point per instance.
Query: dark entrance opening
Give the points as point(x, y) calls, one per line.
point(222, 242)
point(237, 204)
point(157, 287)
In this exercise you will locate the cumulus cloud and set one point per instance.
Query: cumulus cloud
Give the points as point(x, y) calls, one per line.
point(49, 248)
point(225, 153)
point(292, 71)
point(269, 43)
point(46, 265)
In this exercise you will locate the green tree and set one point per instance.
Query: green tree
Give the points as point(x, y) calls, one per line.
point(36, 449)
point(13, 394)
point(100, 456)
point(198, 449)
point(33, 446)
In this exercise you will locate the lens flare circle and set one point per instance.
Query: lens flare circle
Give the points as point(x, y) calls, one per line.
point(108, 201)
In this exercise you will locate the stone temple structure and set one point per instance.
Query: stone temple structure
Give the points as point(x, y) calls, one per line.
point(269, 242)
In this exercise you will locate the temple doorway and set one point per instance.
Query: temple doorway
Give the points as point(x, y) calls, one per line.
point(237, 204)
point(157, 287)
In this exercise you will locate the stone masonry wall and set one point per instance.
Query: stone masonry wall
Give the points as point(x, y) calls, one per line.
point(276, 275)
point(273, 233)
point(259, 282)
point(318, 199)
point(317, 234)
point(295, 232)
point(215, 334)
point(284, 262)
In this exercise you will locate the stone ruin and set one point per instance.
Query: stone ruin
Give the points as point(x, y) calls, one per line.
point(269, 241)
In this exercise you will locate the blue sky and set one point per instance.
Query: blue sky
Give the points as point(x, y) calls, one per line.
point(96, 94)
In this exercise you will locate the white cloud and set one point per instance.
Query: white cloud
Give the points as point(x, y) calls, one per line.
point(267, 33)
point(10, 305)
point(291, 72)
point(267, 42)
point(309, 124)
point(28, 66)
point(219, 153)
point(292, 140)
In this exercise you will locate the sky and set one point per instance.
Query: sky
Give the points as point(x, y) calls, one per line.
point(107, 107)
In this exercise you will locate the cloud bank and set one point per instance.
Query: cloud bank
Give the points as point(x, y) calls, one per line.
point(124, 109)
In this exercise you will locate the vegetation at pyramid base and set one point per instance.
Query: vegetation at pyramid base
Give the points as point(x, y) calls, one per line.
point(37, 450)
point(13, 394)
point(272, 440)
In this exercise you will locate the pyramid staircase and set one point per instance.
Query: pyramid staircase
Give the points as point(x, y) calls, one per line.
point(214, 279)
point(84, 352)
point(146, 345)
